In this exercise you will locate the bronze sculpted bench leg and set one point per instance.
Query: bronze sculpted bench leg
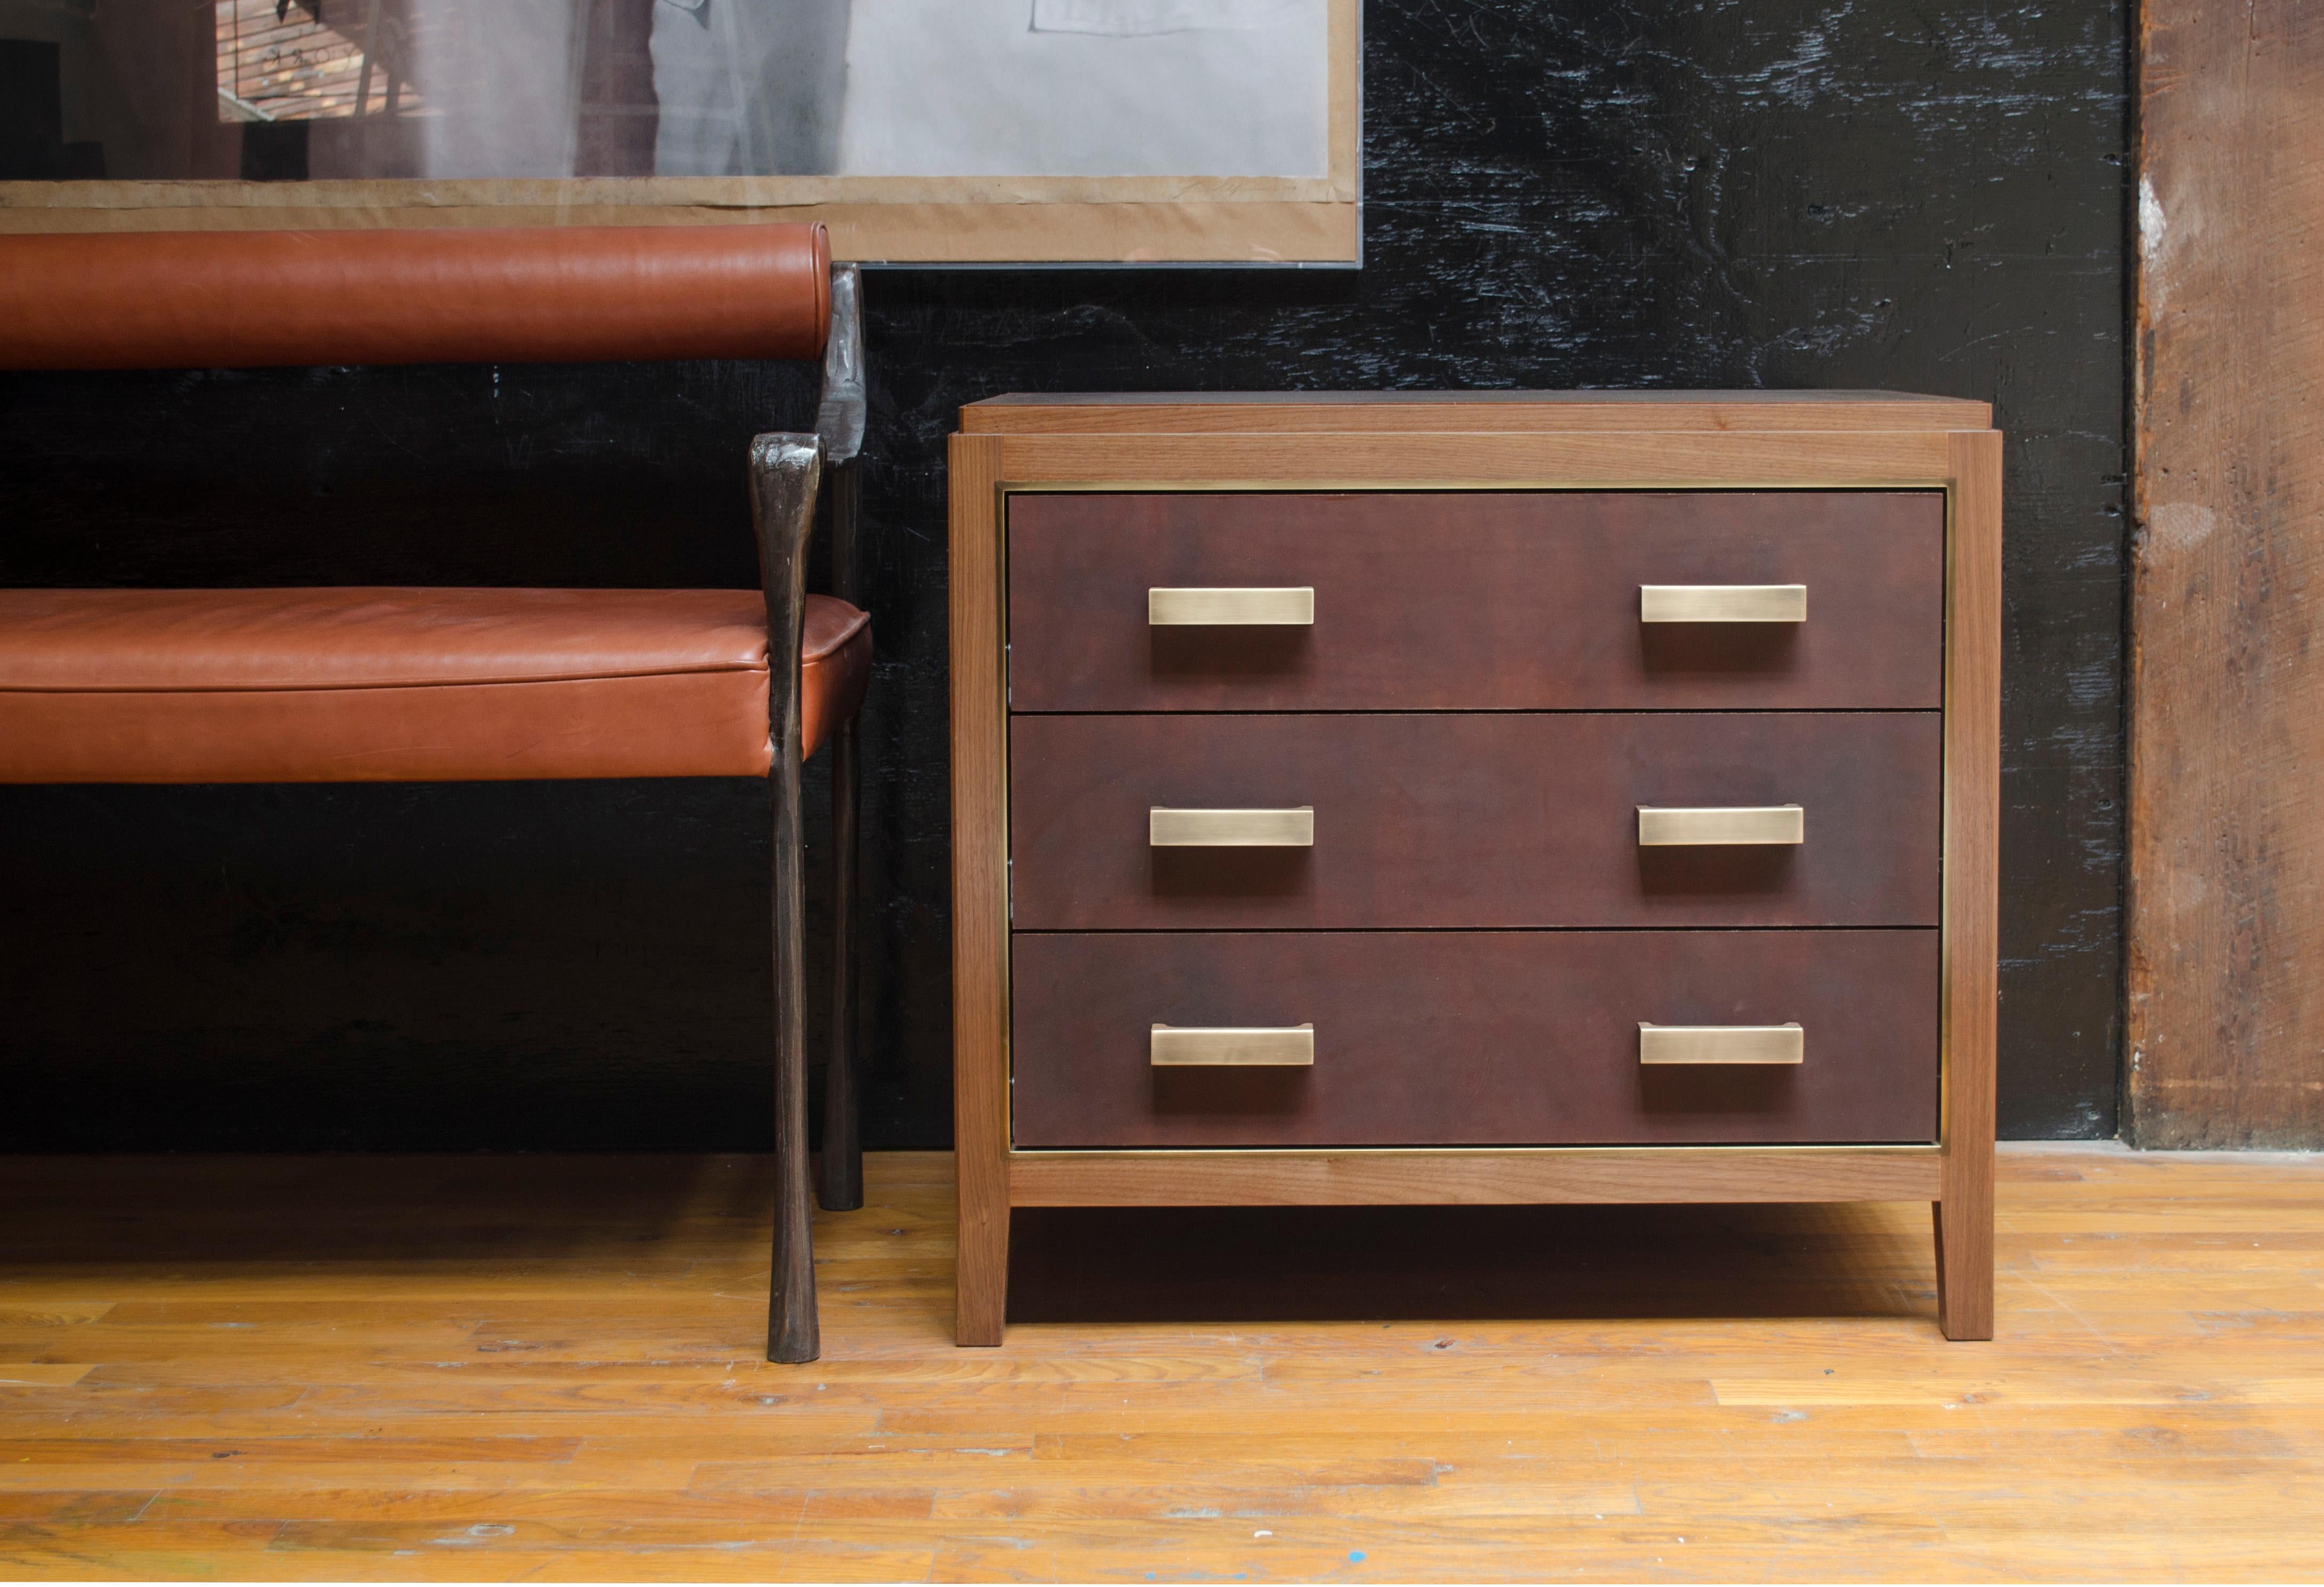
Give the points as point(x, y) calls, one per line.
point(842, 1190)
point(839, 421)
point(842, 1136)
point(785, 472)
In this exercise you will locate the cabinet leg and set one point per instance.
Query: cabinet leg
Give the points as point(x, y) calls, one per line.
point(982, 1306)
point(1965, 1270)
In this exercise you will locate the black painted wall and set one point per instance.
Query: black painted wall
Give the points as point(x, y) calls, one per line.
point(1917, 194)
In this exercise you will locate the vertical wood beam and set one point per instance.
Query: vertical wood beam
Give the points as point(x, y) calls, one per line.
point(1972, 836)
point(2224, 1017)
point(979, 893)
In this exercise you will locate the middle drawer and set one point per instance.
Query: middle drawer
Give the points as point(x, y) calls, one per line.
point(1474, 820)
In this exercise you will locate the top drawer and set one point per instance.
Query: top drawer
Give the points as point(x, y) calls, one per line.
point(1476, 601)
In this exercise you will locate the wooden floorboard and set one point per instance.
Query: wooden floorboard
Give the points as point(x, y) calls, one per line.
point(493, 1368)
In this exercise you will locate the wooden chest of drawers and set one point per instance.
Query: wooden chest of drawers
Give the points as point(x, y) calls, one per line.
point(1474, 798)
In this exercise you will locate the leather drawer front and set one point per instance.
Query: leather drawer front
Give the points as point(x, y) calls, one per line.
point(1476, 601)
point(1470, 820)
point(1498, 1038)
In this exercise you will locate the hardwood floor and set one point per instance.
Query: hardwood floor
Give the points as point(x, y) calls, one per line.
point(486, 1367)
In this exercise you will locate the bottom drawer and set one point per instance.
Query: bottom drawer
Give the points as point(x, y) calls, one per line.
point(1473, 1038)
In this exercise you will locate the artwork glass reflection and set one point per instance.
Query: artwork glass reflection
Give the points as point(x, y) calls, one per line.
point(324, 89)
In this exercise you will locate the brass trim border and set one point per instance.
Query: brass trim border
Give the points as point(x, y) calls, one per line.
point(1228, 486)
point(1943, 485)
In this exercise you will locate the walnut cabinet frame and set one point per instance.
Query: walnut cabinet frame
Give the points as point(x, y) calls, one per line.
point(1502, 441)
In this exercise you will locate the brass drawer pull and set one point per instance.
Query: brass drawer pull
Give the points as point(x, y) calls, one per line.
point(1767, 824)
point(1224, 608)
point(1231, 829)
point(1278, 1046)
point(1722, 1043)
point(1722, 603)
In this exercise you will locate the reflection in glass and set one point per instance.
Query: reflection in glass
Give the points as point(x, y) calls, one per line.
point(278, 60)
point(290, 90)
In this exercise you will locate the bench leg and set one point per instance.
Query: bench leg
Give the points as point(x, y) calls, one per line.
point(792, 1332)
point(843, 1141)
point(785, 471)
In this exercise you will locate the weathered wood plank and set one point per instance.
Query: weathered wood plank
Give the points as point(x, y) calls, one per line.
point(2226, 1012)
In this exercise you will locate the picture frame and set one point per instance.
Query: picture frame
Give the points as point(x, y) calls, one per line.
point(1311, 220)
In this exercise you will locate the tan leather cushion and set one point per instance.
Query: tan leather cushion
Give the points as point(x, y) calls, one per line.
point(214, 300)
point(404, 685)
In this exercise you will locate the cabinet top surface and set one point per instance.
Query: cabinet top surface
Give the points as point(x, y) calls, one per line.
point(1265, 413)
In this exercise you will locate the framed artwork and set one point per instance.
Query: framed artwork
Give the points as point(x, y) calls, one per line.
point(919, 131)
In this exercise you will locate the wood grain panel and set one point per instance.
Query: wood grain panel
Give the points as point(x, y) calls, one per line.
point(979, 893)
point(1474, 1177)
point(1476, 411)
point(1474, 1039)
point(1964, 1213)
point(1485, 601)
point(1575, 460)
point(2225, 1011)
point(1474, 820)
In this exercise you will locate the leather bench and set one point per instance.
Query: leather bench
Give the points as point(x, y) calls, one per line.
point(354, 684)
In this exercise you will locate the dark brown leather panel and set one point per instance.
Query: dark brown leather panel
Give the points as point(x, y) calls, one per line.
point(827, 626)
point(1474, 819)
point(664, 724)
point(1501, 1038)
point(835, 670)
point(1456, 601)
point(411, 685)
point(550, 294)
point(357, 637)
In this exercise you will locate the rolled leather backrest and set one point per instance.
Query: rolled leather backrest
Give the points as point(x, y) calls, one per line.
point(545, 294)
